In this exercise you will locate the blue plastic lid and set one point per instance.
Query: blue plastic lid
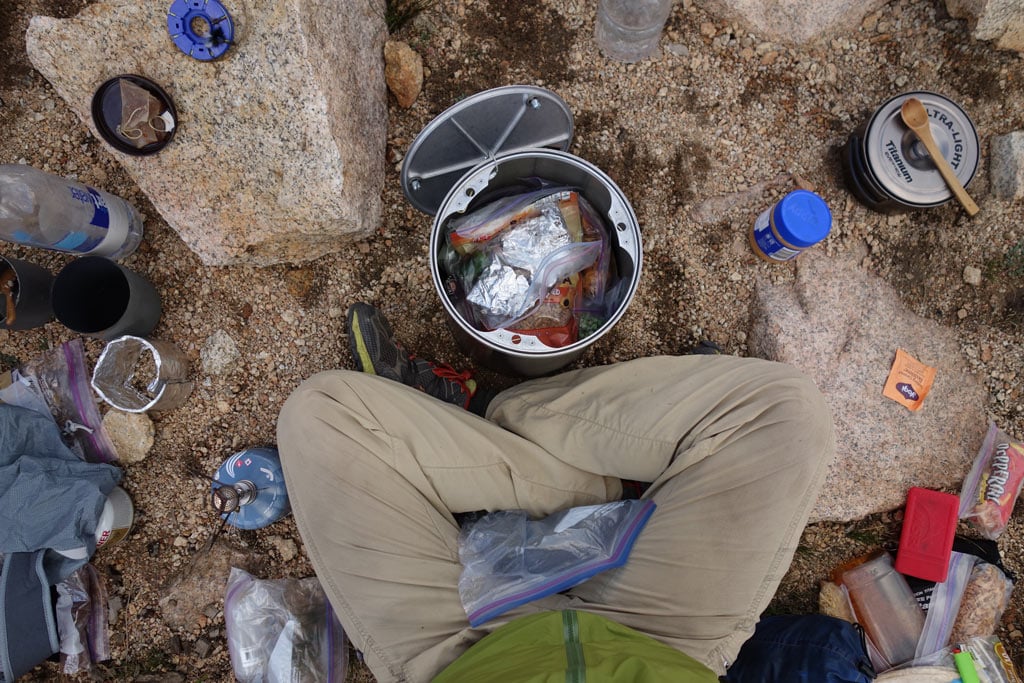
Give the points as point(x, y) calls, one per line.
point(200, 28)
point(802, 218)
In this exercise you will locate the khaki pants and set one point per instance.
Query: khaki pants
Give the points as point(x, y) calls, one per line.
point(737, 449)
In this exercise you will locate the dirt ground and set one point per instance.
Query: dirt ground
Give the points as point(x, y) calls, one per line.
point(717, 111)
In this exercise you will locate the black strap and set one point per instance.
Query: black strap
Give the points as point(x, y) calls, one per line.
point(28, 632)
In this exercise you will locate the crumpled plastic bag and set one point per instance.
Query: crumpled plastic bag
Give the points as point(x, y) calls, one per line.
point(509, 559)
point(283, 631)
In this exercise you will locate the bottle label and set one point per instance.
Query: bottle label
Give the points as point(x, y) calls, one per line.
point(768, 242)
point(110, 214)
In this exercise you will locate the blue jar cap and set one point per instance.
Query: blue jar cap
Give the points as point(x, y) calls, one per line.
point(802, 218)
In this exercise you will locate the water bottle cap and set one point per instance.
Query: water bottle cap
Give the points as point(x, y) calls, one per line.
point(802, 218)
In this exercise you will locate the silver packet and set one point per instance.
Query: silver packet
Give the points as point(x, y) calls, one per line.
point(500, 291)
point(525, 245)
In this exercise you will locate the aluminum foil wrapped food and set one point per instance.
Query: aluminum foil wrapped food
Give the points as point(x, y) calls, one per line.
point(529, 263)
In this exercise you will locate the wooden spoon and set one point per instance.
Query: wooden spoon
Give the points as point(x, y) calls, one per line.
point(916, 118)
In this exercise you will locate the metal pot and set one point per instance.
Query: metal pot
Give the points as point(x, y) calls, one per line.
point(490, 141)
point(888, 169)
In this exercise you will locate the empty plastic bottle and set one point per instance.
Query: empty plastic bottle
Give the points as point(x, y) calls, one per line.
point(628, 30)
point(43, 210)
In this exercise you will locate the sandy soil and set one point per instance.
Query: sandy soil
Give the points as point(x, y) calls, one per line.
point(717, 112)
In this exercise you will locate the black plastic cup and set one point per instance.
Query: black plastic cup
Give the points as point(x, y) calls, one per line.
point(31, 295)
point(99, 298)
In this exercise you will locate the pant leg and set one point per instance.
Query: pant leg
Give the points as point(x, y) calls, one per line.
point(737, 450)
point(374, 471)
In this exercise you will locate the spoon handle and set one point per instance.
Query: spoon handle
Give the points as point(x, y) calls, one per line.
point(949, 175)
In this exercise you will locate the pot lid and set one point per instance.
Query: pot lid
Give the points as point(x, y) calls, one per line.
point(476, 130)
point(899, 162)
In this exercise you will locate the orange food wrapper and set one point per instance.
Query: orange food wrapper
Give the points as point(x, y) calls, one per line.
point(909, 381)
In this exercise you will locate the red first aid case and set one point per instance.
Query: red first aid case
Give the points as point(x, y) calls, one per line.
point(926, 540)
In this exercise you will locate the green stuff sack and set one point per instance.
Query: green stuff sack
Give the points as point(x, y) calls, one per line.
point(572, 647)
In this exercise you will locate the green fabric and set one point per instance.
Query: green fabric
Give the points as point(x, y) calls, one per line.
point(572, 647)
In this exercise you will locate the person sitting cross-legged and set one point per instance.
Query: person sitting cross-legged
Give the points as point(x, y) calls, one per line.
point(380, 463)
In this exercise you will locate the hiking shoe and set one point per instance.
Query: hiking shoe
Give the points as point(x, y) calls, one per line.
point(376, 352)
point(706, 348)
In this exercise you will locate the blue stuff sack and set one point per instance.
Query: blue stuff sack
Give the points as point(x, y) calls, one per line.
point(811, 648)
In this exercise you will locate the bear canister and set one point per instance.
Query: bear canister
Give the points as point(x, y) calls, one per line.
point(796, 222)
point(887, 168)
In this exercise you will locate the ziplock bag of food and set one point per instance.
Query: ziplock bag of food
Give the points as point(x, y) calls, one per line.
point(535, 263)
point(509, 560)
point(282, 631)
point(991, 488)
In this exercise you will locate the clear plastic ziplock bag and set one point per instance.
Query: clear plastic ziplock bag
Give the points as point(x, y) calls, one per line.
point(509, 560)
point(283, 631)
point(81, 611)
point(992, 486)
point(61, 377)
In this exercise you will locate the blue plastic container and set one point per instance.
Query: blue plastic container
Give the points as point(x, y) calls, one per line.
point(256, 476)
point(798, 221)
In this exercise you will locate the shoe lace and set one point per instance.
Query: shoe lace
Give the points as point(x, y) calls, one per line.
point(447, 372)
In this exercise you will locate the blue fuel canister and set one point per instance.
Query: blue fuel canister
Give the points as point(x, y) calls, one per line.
point(248, 489)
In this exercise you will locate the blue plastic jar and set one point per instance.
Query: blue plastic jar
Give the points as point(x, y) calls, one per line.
point(798, 221)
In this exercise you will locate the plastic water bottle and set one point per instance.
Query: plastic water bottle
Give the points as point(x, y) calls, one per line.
point(43, 210)
point(629, 30)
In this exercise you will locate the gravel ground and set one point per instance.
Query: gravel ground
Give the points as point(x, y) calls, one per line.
point(718, 112)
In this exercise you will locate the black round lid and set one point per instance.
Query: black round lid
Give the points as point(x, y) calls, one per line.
point(106, 114)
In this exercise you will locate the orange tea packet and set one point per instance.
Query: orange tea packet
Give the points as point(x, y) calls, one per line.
point(909, 381)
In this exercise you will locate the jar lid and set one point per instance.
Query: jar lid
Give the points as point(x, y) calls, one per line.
point(498, 121)
point(899, 162)
point(107, 114)
point(802, 218)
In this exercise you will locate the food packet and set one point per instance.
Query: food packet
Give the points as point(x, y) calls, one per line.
point(553, 321)
point(473, 231)
point(985, 598)
point(992, 486)
point(909, 381)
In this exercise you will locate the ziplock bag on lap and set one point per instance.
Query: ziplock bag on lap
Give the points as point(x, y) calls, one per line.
point(283, 631)
point(509, 559)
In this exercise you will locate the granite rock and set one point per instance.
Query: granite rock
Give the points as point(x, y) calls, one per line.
point(278, 154)
point(790, 21)
point(403, 72)
point(1007, 170)
point(220, 354)
point(132, 433)
point(842, 326)
point(189, 594)
point(999, 20)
